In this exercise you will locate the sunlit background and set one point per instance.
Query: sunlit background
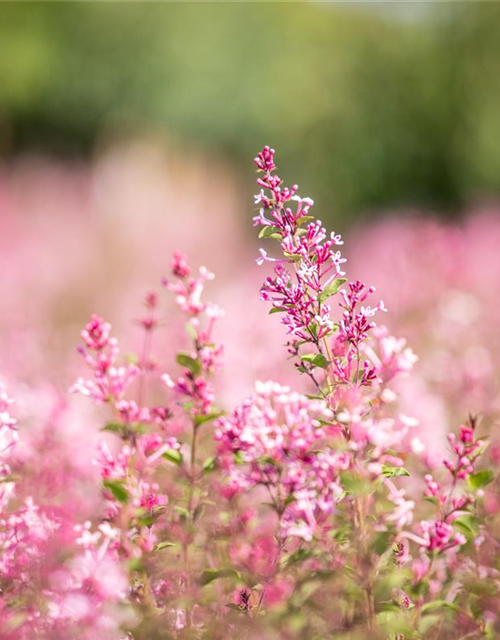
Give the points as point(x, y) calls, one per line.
point(373, 105)
point(127, 130)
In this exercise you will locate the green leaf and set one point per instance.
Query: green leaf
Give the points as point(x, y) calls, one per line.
point(114, 427)
point(185, 360)
point(270, 231)
point(289, 500)
point(479, 587)
point(421, 588)
point(213, 415)
point(135, 564)
point(209, 575)
point(182, 511)
point(481, 478)
point(266, 459)
point(313, 328)
point(164, 545)
point(238, 458)
point(209, 465)
point(173, 455)
point(316, 359)
point(294, 257)
point(468, 524)
point(394, 472)
point(331, 289)
point(137, 427)
point(277, 310)
point(117, 489)
point(389, 605)
point(146, 520)
point(426, 623)
point(304, 219)
point(354, 484)
point(299, 556)
point(438, 605)
point(381, 542)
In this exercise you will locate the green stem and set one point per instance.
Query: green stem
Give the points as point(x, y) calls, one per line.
point(365, 555)
point(192, 471)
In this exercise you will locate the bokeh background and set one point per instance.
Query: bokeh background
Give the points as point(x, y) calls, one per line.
point(374, 105)
point(127, 130)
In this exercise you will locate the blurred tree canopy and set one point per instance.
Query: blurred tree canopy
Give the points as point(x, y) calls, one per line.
point(372, 105)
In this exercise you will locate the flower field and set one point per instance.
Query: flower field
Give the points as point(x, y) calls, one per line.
point(301, 446)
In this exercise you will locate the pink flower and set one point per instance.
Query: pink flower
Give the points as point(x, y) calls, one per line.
point(100, 576)
point(278, 592)
point(110, 379)
point(180, 266)
point(110, 466)
point(466, 449)
point(188, 290)
point(439, 535)
point(96, 333)
point(6, 420)
point(277, 433)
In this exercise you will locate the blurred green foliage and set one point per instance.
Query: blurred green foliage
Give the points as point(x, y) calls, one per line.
point(372, 105)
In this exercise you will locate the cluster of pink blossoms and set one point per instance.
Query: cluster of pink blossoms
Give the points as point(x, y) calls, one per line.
point(8, 438)
point(44, 593)
point(290, 516)
point(276, 437)
point(207, 355)
point(467, 449)
point(109, 380)
point(299, 448)
point(140, 512)
point(439, 534)
point(315, 273)
point(128, 474)
point(313, 455)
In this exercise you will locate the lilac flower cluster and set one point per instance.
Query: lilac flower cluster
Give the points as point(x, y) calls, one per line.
point(110, 379)
point(291, 515)
point(206, 357)
point(277, 438)
point(313, 274)
point(45, 593)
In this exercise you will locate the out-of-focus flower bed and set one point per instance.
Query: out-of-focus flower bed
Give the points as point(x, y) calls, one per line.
point(440, 281)
point(81, 239)
point(67, 234)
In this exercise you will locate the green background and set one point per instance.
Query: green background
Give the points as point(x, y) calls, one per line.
point(374, 106)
